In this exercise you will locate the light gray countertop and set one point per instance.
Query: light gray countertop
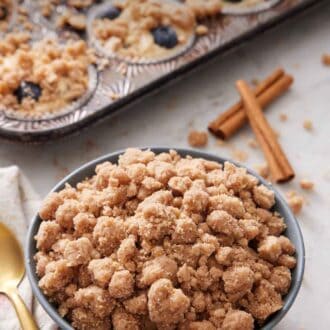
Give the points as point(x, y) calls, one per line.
point(165, 119)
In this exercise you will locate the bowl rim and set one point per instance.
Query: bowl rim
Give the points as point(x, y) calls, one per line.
point(289, 298)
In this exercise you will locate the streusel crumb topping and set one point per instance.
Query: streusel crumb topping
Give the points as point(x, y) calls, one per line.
point(164, 242)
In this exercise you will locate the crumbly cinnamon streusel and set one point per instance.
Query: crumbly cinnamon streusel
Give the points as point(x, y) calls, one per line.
point(295, 201)
point(131, 33)
point(197, 139)
point(164, 242)
point(308, 125)
point(41, 77)
point(306, 184)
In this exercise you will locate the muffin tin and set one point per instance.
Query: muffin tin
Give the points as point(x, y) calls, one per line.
point(122, 81)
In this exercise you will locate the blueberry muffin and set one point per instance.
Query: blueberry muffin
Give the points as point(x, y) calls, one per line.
point(43, 77)
point(148, 29)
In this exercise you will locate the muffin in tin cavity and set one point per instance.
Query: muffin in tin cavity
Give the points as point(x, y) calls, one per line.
point(8, 10)
point(147, 31)
point(242, 7)
point(42, 79)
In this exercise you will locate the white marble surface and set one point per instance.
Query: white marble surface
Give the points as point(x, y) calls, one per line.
point(165, 119)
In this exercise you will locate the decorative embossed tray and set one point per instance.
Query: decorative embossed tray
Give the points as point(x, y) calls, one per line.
point(129, 81)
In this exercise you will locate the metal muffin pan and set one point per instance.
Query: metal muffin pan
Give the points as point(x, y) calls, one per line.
point(123, 82)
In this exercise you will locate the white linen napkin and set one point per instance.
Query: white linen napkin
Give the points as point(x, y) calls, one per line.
point(18, 204)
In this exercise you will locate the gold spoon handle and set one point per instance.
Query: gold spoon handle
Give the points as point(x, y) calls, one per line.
point(24, 315)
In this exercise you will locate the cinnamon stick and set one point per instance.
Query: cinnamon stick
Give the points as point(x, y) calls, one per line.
point(233, 119)
point(279, 165)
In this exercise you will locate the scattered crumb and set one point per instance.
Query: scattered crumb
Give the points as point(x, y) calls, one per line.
point(114, 96)
point(220, 142)
point(326, 59)
point(197, 138)
point(283, 117)
point(239, 155)
point(308, 125)
point(202, 30)
point(295, 201)
point(306, 184)
point(263, 170)
point(253, 143)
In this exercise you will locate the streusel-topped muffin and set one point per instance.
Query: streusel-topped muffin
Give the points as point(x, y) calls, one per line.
point(41, 77)
point(148, 29)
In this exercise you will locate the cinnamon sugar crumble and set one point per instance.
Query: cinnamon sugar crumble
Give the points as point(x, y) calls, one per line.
point(197, 138)
point(295, 201)
point(114, 96)
point(160, 241)
point(306, 184)
point(308, 125)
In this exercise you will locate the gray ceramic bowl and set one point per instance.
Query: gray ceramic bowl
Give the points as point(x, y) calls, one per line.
point(293, 232)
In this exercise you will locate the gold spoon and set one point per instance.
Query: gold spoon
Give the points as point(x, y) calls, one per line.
point(11, 274)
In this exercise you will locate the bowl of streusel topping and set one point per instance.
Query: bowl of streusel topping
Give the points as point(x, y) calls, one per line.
point(165, 238)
